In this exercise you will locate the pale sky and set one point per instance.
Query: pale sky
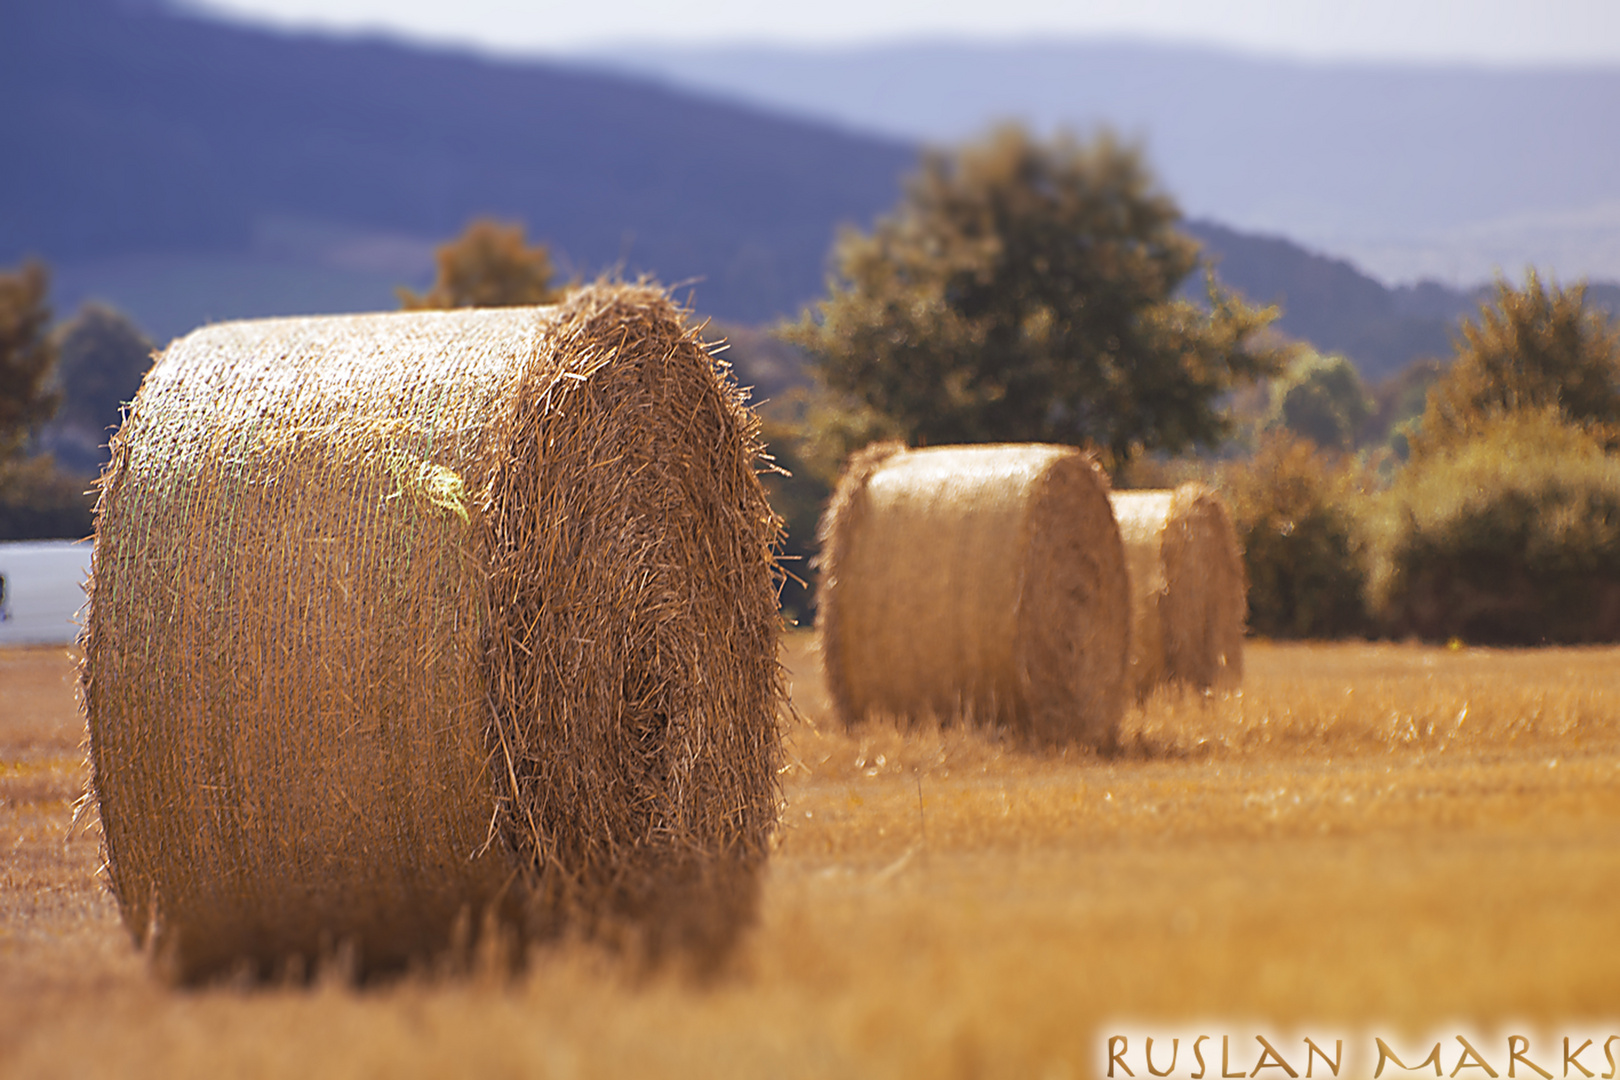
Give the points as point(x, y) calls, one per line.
point(1511, 32)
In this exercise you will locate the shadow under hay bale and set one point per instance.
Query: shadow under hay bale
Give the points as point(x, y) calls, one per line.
point(1187, 590)
point(398, 621)
point(981, 583)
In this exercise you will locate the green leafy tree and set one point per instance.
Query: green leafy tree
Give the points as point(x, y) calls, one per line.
point(1530, 349)
point(1298, 516)
point(809, 439)
point(489, 265)
point(26, 356)
point(38, 501)
point(1511, 536)
point(1321, 398)
point(101, 359)
point(1027, 290)
point(1398, 405)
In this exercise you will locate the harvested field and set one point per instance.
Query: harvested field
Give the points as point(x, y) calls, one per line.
point(1370, 834)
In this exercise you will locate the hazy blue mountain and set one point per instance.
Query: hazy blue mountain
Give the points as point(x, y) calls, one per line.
point(1332, 304)
point(189, 170)
point(141, 144)
point(1440, 171)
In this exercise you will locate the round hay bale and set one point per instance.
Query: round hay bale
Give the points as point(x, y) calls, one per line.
point(1187, 590)
point(981, 583)
point(412, 622)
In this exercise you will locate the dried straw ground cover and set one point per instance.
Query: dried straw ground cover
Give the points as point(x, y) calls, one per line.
point(1187, 588)
point(978, 583)
point(1384, 835)
point(406, 623)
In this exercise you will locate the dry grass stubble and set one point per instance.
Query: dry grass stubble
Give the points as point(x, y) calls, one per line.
point(941, 904)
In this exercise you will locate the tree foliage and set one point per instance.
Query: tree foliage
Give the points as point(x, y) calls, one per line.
point(38, 501)
point(1304, 547)
point(1027, 290)
point(1322, 398)
point(1398, 405)
point(808, 439)
point(101, 359)
point(1511, 536)
point(489, 265)
point(26, 355)
point(1530, 349)
point(102, 356)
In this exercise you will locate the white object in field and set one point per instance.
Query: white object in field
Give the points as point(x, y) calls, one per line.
point(42, 590)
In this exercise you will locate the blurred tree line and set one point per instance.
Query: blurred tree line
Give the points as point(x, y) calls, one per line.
point(1491, 516)
point(1027, 290)
point(62, 391)
point(1031, 291)
point(63, 387)
point(1022, 290)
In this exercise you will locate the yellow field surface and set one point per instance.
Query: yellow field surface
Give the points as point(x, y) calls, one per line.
point(1384, 835)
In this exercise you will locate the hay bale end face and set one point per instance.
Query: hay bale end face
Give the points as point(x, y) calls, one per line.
point(979, 583)
point(1187, 589)
point(406, 622)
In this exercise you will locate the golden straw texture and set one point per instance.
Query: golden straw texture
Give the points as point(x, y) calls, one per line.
point(982, 583)
point(412, 623)
point(1188, 601)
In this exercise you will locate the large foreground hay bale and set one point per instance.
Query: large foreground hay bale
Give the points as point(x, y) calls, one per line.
point(401, 622)
point(985, 583)
point(1187, 593)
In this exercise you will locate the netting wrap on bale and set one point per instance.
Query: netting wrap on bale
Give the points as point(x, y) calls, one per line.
point(982, 583)
point(403, 621)
point(1187, 589)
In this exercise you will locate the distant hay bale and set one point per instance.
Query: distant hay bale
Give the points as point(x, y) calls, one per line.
point(984, 583)
point(1187, 590)
point(412, 622)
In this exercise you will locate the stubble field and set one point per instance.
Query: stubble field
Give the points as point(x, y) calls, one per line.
point(1379, 834)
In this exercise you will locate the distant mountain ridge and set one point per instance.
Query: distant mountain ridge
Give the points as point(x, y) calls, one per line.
point(187, 171)
point(1337, 308)
point(1413, 170)
point(145, 132)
